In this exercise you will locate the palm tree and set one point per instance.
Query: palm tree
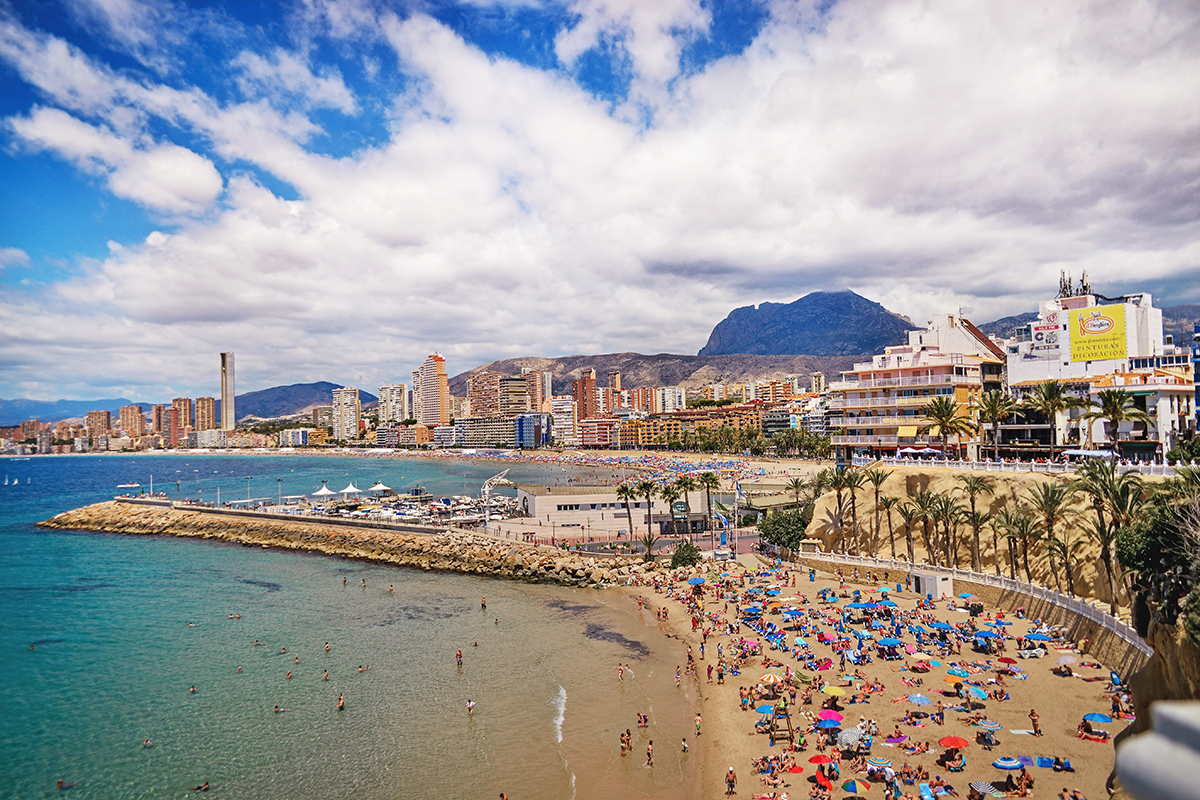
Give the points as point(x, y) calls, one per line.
point(1066, 551)
point(670, 493)
point(942, 413)
point(1022, 528)
point(910, 513)
point(709, 481)
point(1114, 406)
point(876, 476)
point(1049, 400)
point(796, 486)
point(855, 479)
point(1122, 497)
point(975, 485)
point(926, 503)
point(949, 512)
point(648, 540)
point(835, 479)
point(648, 490)
point(887, 504)
point(1051, 501)
point(998, 522)
point(685, 484)
point(625, 493)
point(995, 407)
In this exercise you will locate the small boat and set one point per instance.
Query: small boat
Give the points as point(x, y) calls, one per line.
point(129, 486)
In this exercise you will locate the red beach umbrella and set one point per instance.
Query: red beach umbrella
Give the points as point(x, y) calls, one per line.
point(957, 742)
point(820, 758)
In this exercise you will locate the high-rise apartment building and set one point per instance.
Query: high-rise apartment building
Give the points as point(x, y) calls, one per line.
point(228, 413)
point(433, 387)
point(483, 390)
point(172, 429)
point(534, 384)
point(186, 409)
point(346, 413)
point(393, 403)
point(206, 413)
point(322, 416)
point(514, 396)
point(614, 380)
point(563, 421)
point(666, 399)
point(99, 423)
point(133, 422)
point(30, 428)
point(587, 400)
point(157, 418)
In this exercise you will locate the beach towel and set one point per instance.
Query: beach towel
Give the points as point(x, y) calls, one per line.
point(1026, 761)
point(1045, 762)
point(926, 792)
point(1016, 730)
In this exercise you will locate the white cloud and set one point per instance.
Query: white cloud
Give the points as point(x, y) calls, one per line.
point(164, 177)
point(287, 74)
point(929, 156)
point(13, 257)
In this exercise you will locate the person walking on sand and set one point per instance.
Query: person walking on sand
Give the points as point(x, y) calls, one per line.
point(698, 721)
point(730, 782)
point(677, 677)
point(483, 604)
point(650, 754)
point(685, 745)
point(1034, 718)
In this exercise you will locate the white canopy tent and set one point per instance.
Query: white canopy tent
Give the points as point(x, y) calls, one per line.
point(324, 491)
point(351, 489)
point(379, 487)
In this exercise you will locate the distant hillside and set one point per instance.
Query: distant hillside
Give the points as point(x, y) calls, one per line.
point(1008, 326)
point(666, 369)
point(278, 401)
point(820, 323)
point(282, 401)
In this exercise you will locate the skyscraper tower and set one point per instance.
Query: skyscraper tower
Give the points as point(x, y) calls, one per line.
point(228, 415)
point(433, 388)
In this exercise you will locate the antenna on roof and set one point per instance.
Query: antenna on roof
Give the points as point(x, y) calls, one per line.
point(1064, 284)
point(1085, 287)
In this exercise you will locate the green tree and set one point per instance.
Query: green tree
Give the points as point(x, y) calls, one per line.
point(995, 407)
point(797, 486)
point(1115, 406)
point(627, 493)
point(1121, 497)
point(943, 414)
point(686, 484)
point(949, 512)
point(876, 476)
point(1021, 527)
point(926, 503)
point(648, 490)
point(686, 555)
point(669, 494)
point(1051, 501)
point(835, 479)
point(786, 528)
point(709, 481)
point(648, 540)
point(855, 479)
point(911, 514)
point(973, 486)
point(1050, 399)
point(889, 503)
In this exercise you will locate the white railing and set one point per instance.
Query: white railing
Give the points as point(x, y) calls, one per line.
point(1074, 605)
point(918, 380)
point(1001, 466)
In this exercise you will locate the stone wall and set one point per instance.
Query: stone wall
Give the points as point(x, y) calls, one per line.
point(449, 550)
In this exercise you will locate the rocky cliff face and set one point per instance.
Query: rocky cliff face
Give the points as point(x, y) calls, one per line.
point(821, 323)
point(445, 550)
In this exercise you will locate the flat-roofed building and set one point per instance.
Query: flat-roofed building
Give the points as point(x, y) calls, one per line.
point(228, 412)
point(483, 390)
point(206, 413)
point(393, 403)
point(514, 396)
point(186, 409)
point(133, 422)
point(157, 414)
point(98, 423)
point(434, 389)
point(346, 414)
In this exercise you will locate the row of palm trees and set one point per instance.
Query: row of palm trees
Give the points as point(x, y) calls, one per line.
point(669, 492)
point(727, 439)
point(1053, 522)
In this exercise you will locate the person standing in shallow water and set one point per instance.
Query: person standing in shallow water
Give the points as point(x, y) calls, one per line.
point(650, 754)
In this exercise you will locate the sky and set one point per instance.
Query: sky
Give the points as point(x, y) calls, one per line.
point(333, 189)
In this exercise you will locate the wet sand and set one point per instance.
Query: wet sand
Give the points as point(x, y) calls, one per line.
point(1060, 702)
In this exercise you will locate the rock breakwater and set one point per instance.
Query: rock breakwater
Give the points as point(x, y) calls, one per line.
point(448, 550)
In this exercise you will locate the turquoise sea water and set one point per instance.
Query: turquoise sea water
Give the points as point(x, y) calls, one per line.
point(122, 627)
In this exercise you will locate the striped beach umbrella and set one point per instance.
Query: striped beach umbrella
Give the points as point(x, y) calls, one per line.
point(879, 761)
point(1008, 762)
point(919, 700)
point(769, 678)
point(855, 786)
point(983, 786)
point(849, 737)
point(1064, 660)
point(990, 725)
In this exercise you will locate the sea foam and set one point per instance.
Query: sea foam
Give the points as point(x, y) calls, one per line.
point(559, 701)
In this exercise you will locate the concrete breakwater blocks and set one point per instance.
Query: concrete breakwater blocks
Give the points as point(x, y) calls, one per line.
point(448, 550)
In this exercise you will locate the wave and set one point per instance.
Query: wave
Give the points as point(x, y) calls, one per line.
point(560, 712)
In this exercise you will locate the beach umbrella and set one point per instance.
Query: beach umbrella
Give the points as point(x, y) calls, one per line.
point(820, 758)
point(962, 673)
point(879, 761)
point(1038, 637)
point(829, 723)
point(849, 737)
point(956, 742)
point(796, 769)
point(829, 713)
point(896, 739)
point(1006, 660)
point(986, 635)
point(1097, 718)
point(990, 725)
point(724, 574)
point(888, 603)
point(983, 787)
point(952, 679)
point(695, 581)
point(1008, 762)
point(765, 708)
point(854, 786)
point(976, 692)
point(856, 605)
point(965, 595)
point(919, 700)
point(890, 642)
point(1003, 622)
point(1065, 660)
point(836, 691)
point(941, 626)
point(769, 678)
point(774, 593)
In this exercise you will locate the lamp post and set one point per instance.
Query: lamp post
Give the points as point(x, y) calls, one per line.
point(280, 482)
point(248, 479)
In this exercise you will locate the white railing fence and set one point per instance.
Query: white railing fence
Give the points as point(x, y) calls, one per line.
point(1075, 605)
point(1005, 466)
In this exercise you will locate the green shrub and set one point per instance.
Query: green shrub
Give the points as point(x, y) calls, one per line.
point(686, 555)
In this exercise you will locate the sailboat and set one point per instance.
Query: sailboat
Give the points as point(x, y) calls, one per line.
point(6, 480)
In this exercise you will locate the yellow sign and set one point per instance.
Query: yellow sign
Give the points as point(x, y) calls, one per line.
point(1097, 333)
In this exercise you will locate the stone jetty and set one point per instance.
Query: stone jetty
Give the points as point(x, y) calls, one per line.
point(447, 550)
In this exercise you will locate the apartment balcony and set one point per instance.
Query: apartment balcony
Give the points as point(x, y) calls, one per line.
point(861, 402)
point(900, 441)
point(874, 422)
point(918, 380)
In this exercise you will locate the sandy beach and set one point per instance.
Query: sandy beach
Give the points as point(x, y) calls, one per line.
point(728, 733)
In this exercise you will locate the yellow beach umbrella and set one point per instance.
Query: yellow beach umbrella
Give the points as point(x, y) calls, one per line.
point(836, 691)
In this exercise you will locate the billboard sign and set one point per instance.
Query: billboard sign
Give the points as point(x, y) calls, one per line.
point(1097, 333)
point(679, 509)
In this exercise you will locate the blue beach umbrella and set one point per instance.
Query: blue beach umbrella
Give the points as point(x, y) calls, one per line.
point(774, 593)
point(941, 626)
point(888, 603)
point(889, 642)
point(1097, 718)
point(1008, 762)
point(966, 595)
point(695, 581)
point(1003, 622)
point(976, 692)
point(766, 708)
point(919, 700)
point(961, 673)
point(829, 723)
point(1038, 637)
point(986, 635)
